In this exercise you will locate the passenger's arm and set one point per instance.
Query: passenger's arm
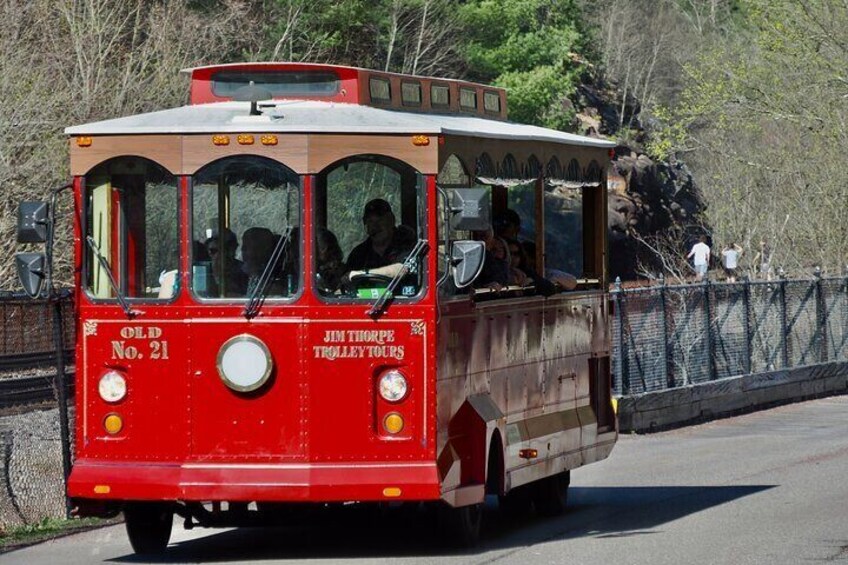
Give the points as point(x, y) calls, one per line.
point(387, 271)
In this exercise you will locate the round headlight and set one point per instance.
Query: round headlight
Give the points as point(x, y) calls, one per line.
point(244, 363)
point(393, 386)
point(112, 387)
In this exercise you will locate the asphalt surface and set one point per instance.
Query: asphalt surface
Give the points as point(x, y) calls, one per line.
point(769, 487)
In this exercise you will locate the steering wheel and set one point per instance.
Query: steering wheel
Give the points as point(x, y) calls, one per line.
point(371, 279)
point(365, 280)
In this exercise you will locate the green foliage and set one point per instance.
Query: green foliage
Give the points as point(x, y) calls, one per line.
point(763, 117)
point(536, 96)
point(525, 46)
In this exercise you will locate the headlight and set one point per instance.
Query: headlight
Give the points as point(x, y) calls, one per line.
point(244, 363)
point(112, 387)
point(393, 386)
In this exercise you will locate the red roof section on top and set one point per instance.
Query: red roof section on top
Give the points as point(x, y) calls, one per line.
point(350, 85)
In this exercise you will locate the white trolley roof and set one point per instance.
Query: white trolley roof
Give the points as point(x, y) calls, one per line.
point(296, 116)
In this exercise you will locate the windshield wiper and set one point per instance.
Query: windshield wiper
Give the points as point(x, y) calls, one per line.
point(105, 266)
point(254, 301)
point(409, 264)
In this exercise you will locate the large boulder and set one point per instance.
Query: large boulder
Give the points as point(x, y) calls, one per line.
point(647, 199)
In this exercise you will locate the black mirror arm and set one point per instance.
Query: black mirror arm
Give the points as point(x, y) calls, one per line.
point(447, 213)
point(51, 221)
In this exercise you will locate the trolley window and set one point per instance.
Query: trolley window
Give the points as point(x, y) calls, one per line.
point(131, 234)
point(245, 226)
point(278, 83)
point(369, 222)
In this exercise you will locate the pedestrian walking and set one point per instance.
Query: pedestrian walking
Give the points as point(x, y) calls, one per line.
point(701, 254)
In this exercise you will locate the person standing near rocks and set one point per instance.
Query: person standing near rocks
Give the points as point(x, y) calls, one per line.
point(701, 253)
point(730, 260)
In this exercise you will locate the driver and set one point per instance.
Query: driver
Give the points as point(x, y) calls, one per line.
point(387, 245)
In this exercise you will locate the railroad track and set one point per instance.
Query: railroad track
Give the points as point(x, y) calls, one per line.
point(30, 360)
point(23, 391)
point(30, 390)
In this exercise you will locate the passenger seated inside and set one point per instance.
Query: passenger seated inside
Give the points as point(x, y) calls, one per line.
point(387, 245)
point(257, 247)
point(331, 265)
point(495, 272)
point(222, 253)
point(507, 224)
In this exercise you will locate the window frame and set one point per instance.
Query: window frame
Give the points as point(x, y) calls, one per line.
point(464, 107)
point(87, 252)
point(374, 79)
point(411, 103)
point(421, 199)
point(214, 80)
point(439, 105)
point(190, 182)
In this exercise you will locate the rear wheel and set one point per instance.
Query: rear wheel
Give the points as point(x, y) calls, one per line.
point(550, 495)
point(517, 503)
point(461, 526)
point(148, 526)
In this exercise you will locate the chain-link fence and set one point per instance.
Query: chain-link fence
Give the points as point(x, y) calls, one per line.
point(26, 330)
point(670, 336)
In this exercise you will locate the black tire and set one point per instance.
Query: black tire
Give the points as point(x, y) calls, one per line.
point(148, 526)
point(550, 495)
point(461, 526)
point(517, 503)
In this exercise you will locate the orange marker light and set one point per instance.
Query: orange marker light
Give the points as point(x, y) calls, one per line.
point(84, 141)
point(102, 489)
point(221, 139)
point(420, 140)
point(391, 492)
point(393, 423)
point(528, 453)
point(113, 424)
point(268, 140)
point(245, 139)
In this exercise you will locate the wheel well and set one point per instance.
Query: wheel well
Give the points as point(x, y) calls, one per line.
point(495, 465)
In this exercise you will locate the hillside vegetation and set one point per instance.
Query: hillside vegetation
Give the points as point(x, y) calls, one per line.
point(750, 93)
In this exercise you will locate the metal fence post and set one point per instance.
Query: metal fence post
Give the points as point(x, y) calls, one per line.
point(821, 317)
point(623, 363)
point(61, 390)
point(710, 336)
point(841, 353)
point(668, 366)
point(746, 306)
point(783, 317)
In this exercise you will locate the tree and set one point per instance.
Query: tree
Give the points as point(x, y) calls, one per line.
point(68, 62)
point(766, 123)
point(526, 46)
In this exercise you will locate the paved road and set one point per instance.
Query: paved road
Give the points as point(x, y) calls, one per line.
point(769, 487)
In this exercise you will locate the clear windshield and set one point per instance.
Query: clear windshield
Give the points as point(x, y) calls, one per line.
point(131, 218)
point(242, 207)
point(369, 216)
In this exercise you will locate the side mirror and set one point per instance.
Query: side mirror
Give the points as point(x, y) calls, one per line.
point(467, 258)
point(31, 272)
point(470, 209)
point(32, 222)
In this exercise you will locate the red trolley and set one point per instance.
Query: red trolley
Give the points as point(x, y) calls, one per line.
point(280, 300)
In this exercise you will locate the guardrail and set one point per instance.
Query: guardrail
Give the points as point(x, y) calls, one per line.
point(683, 353)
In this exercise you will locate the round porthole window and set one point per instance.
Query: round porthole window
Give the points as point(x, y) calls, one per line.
point(244, 363)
